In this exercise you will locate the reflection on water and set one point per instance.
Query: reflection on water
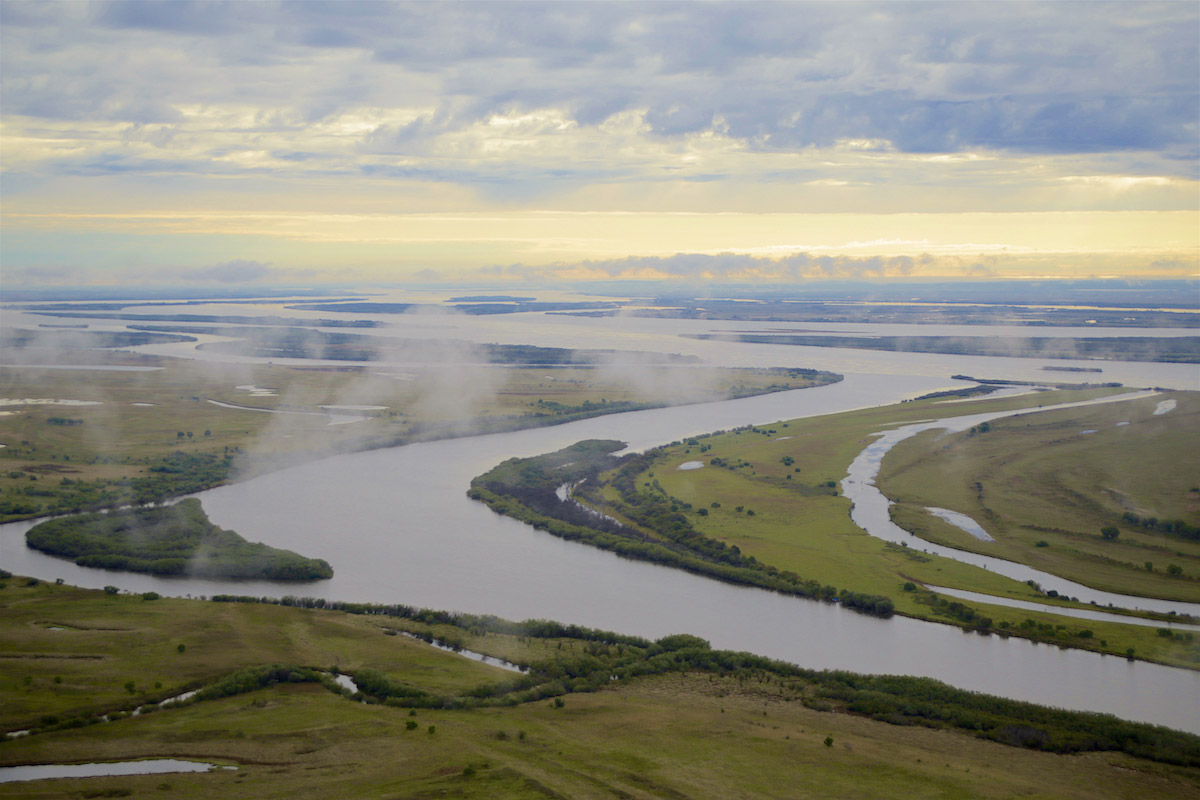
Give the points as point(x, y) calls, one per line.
point(155, 766)
point(471, 654)
point(962, 522)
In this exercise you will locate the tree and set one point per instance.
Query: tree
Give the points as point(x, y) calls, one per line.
point(1174, 569)
point(1110, 533)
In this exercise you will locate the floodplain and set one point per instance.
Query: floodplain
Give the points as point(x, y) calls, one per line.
point(768, 497)
point(749, 731)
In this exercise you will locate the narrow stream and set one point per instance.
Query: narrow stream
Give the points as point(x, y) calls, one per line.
point(871, 513)
point(154, 766)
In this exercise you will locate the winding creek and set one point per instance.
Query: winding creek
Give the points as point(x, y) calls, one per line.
point(871, 513)
point(397, 526)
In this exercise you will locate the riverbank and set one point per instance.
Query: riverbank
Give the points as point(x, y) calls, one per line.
point(297, 738)
point(765, 511)
point(188, 426)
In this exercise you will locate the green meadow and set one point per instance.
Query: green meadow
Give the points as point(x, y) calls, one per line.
point(757, 731)
point(1046, 488)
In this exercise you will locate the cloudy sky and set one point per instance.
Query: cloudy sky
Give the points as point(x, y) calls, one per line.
point(279, 141)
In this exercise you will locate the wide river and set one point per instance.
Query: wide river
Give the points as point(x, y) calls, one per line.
point(397, 527)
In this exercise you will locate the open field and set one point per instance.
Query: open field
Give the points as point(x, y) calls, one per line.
point(1045, 486)
point(688, 733)
point(111, 450)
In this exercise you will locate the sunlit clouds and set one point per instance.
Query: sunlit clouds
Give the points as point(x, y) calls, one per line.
point(554, 141)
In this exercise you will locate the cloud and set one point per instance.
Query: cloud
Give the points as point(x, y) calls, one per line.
point(927, 77)
point(236, 271)
point(329, 109)
point(720, 267)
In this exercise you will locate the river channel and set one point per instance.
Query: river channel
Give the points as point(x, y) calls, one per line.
point(397, 527)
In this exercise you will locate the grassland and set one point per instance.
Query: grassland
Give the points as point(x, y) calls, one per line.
point(159, 433)
point(1045, 486)
point(682, 733)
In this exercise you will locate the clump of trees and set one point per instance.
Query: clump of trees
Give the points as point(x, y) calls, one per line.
point(1175, 527)
point(168, 540)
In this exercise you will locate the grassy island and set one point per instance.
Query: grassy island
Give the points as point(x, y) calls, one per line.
point(652, 526)
point(169, 540)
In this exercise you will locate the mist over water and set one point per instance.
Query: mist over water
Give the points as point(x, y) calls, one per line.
point(397, 527)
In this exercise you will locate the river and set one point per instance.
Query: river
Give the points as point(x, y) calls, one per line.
point(397, 527)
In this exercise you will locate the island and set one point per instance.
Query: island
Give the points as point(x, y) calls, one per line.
point(169, 540)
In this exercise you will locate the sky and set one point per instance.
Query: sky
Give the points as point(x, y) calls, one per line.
point(535, 143)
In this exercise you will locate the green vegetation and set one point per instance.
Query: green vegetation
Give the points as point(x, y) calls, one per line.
point(168, 540)
point(680, 719)
point(654, 529)
point(1093, 507)
point(764, 510)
